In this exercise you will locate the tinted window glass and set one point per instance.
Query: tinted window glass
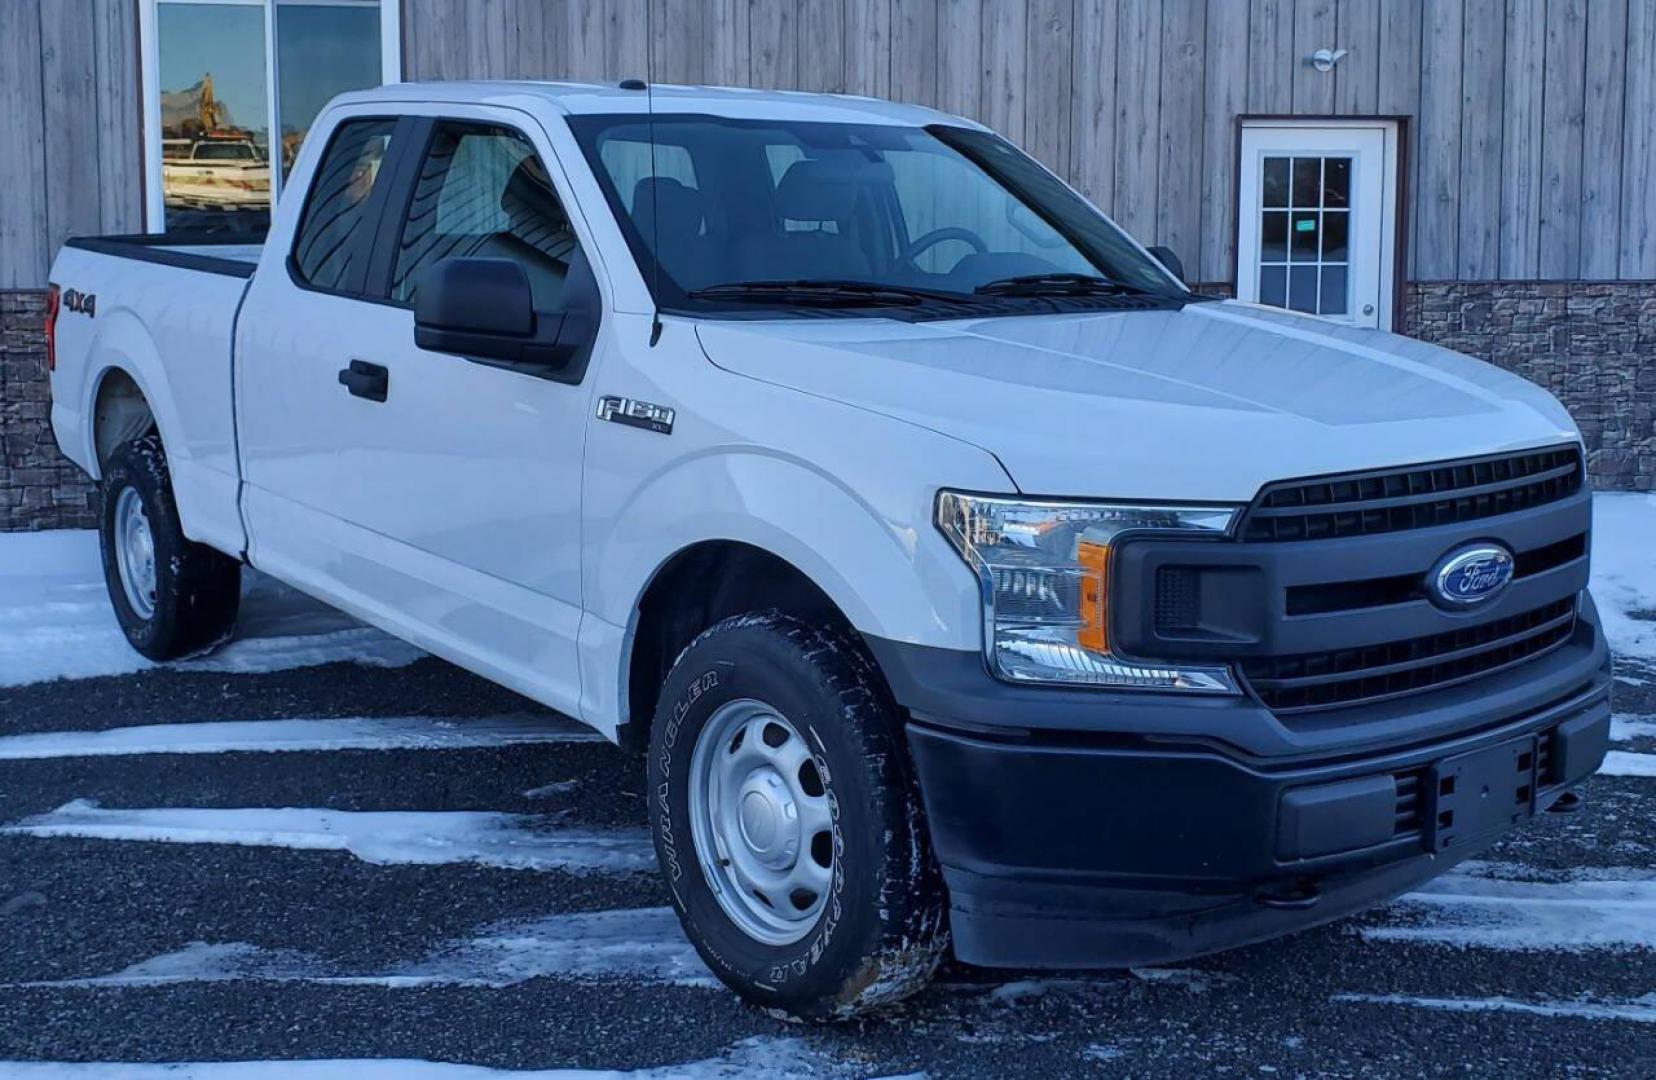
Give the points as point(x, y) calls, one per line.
point(743, 201)
point(482, 192)
point(337, 230)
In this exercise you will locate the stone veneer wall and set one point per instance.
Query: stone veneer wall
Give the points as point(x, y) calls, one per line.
point(39, 488)
point(1592, 344)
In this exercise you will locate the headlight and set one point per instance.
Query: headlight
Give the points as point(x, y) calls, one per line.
point(1045, 568)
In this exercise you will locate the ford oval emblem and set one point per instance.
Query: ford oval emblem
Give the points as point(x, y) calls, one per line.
point(1469, 575)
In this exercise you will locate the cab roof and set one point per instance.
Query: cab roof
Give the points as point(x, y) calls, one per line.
point(578, 98)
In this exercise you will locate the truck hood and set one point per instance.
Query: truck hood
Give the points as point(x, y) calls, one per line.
point(1206, 403)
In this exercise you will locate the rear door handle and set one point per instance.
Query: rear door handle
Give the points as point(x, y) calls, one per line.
point(366, 380)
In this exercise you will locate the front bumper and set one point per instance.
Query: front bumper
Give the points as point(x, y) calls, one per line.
point(1077, 829)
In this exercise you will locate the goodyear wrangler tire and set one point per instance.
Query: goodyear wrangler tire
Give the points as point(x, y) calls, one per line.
point(172, 597)
point(788, 822)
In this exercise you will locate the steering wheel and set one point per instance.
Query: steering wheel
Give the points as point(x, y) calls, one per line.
point(937, 236)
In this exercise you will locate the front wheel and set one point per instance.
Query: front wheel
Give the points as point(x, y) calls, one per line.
point(788, 822)
point(172, 596)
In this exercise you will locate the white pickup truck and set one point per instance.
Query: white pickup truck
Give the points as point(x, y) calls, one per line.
point(967, 582)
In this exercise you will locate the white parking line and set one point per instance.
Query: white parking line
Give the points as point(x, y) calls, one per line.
point(1603, 910)
point(1639, 1010)
point(639, 944)
point(353, 733)
point(759, 1058)
point(512, 841)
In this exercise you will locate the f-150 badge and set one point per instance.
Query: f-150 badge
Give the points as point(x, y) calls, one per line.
point(639, 414)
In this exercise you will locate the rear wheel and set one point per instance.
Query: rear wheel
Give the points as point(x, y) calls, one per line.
point(172, 597)
point(788, 822)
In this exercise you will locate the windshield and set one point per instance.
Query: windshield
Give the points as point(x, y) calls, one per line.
point(225, 152)
point(723, 205)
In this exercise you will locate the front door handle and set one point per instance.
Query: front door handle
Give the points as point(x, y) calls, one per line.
point(366, 380)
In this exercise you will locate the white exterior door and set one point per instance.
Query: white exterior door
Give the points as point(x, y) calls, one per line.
point(1316, 219)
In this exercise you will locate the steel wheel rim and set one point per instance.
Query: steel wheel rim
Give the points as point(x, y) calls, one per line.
point(135, 553)
point(762, 822)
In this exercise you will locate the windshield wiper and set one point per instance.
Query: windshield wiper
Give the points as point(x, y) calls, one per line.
point(1058, 284)
point(826, 292)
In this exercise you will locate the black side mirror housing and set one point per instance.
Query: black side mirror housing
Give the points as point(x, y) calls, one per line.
point(484, 310)
point(1165, 256)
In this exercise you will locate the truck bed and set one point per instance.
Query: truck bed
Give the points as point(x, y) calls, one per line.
point(234, 254)
point(161, 309)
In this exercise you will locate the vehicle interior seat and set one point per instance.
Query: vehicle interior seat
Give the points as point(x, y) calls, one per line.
point(537, 235)
point(670, 216)
point(821, 194)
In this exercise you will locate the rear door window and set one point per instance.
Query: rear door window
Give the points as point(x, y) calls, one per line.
point(336, 231)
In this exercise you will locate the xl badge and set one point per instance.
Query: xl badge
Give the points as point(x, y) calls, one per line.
point(1469, 576)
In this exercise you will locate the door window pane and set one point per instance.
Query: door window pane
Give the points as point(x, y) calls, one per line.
point(1273, 232)
point(215, 126)
point(322, 49)
point(1337, 181)
point(1307, 179)
point(1302, 243)
point(1302, 289)
point(1274, 190)
point(1335, 226)
point(1273, 285)
point(1333, 300)
point(482, 192)
point(336, 232)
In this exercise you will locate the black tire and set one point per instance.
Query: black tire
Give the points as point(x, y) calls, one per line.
point(882, 929)
point(197, 589)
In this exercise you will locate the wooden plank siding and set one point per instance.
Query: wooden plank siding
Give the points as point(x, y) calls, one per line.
point(70, 148)
point(1533, 143)
point(1532, 122)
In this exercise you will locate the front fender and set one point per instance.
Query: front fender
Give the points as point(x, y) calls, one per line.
point(869, 545)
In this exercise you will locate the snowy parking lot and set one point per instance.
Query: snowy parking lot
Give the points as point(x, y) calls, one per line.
point(320, 853)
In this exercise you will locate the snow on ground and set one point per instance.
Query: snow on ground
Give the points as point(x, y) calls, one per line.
point(1625, 726)
point(56, 622)
point(1625, 763)
point(1640, 1010)
point(752, 1059)
point(355, 733)
point(1607, 909)
point(643, 944)
point(511, 841)
point(1624, 572)
point(55, 619)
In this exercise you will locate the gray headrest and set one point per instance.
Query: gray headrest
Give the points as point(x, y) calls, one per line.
point(662, 204)
point(528, 198)
point(821, 189)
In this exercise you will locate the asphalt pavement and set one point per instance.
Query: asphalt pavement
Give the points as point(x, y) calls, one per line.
point(482, 939)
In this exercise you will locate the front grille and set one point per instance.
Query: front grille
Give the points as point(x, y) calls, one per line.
point(1334, 596)
point(1339, 677)
point(1414, 497)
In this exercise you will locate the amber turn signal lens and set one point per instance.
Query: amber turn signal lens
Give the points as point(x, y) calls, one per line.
point(1094, 633)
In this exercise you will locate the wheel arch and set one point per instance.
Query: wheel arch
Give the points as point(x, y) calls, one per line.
point(123, 362)
point(696, 587)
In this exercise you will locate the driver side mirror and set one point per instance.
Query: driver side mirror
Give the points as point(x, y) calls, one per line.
point(483, 309)
point(1169, 261)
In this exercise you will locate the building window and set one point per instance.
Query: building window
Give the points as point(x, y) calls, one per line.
point(231, 90)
